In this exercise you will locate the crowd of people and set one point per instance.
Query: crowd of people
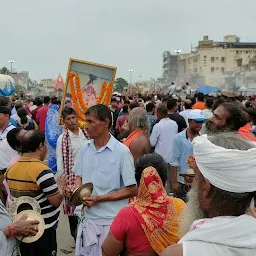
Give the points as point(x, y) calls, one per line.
point(135, 152)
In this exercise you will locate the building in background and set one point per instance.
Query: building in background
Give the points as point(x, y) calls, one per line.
point(21, 79)
point(47, 87)
point(59, 86)
point(229, 64)
point(170, 67)
point(22, 82)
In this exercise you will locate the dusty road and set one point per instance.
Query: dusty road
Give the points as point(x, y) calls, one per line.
point(64, 238)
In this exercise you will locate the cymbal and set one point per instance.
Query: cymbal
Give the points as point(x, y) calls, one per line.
point(31, 215)
point(79, 193)
point(190, 173)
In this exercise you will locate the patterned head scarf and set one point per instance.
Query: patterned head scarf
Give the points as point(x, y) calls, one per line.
point(157, 213)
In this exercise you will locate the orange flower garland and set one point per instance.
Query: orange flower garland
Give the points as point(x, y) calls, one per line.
point(79, 93)
point(74, 98)
point(102, 93)
point(108, 94)
point(77, 96)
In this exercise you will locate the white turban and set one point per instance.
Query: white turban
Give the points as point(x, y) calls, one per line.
point(231, 170)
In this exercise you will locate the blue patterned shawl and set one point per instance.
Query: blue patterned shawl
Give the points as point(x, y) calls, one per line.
point(52, 134)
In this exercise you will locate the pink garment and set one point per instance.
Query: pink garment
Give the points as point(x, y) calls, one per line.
point(41, 117)
point(9, 199)
point(27, 108)
point(120, 105)
point(120, 122)
point(14, 159)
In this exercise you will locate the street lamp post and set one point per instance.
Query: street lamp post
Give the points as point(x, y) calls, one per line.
point(11, 61)
point(178, 52)
point(130, 70)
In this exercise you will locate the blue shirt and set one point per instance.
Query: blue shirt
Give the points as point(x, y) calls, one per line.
point(152, 120)
point(110, 168)
point(182, 149)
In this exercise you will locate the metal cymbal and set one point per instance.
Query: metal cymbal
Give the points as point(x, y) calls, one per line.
point(79, 193)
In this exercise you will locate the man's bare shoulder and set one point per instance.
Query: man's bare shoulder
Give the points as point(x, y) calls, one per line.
point(141, 139)
point(174, 250)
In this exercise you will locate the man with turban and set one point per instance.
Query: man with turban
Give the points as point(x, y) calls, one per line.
point(216, 220)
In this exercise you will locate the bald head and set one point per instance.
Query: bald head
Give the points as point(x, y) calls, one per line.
point(138, 119)
point(187, 104)
point(32, 141)
point(18, 104)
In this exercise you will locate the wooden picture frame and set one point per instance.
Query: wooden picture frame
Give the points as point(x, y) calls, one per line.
point(92, 75)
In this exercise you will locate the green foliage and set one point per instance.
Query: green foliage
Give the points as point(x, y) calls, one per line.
point(4, 70)
point(120, 84)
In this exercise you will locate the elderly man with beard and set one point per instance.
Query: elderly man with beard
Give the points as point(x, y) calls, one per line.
point(224, 188)
point(228, 117)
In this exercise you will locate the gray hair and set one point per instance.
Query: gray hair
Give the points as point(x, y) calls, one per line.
point(229, 203)
point(230, 140)
point(138, 119)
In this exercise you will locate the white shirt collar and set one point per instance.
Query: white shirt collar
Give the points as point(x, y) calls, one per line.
point(80, 133)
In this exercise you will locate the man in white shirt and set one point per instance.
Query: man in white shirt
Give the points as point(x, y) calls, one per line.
point(6, 152)
point(207, 112)
point(68, 146)
point(187, 109)
point(163, 134)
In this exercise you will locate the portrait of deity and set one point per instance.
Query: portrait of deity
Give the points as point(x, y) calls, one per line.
point(89, 92)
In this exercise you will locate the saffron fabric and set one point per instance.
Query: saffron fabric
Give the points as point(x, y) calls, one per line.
point(133, 136)
point(246, 131)
point(199, 105)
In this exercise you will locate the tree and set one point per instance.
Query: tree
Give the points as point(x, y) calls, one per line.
point(120, 84)
point(19, 90)
point(4, 70)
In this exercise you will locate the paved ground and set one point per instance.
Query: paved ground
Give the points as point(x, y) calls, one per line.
point(64, 238)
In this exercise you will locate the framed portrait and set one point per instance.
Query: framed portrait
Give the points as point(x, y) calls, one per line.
point(91, 79)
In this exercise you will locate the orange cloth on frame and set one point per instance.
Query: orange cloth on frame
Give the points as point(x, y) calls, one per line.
point(133, 136)
point(157, 213)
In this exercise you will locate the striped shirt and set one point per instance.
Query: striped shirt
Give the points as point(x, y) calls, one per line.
point(31, 177)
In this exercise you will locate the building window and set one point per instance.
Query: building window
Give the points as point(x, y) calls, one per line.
point(205, 57)
point(212, 69)
point(195, 70)
point(239, 62)
point(217, 58)
point(212, 59)
point(222, 59)
point(195, 60)
point(222, 69)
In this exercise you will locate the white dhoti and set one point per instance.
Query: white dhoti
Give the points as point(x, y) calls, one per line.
point(90, 236)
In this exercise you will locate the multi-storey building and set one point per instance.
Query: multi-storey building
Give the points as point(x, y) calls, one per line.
point(228, 64)
point(170, 67)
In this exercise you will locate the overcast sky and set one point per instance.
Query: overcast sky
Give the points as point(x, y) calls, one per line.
point(41, 35)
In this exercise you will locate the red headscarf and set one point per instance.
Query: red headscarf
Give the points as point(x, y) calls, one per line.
point(157, 213)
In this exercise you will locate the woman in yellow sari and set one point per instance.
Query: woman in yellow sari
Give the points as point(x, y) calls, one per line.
point(150, 224)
